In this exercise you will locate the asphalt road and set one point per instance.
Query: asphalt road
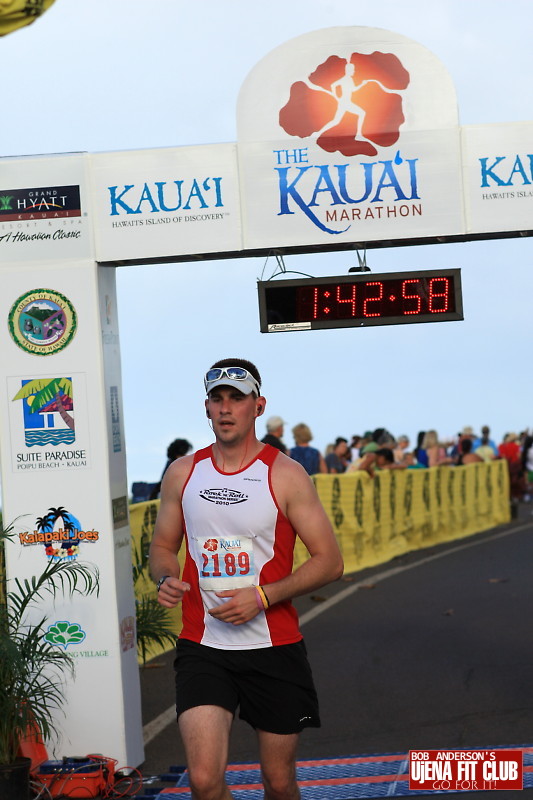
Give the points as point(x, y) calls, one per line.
point(432, 650)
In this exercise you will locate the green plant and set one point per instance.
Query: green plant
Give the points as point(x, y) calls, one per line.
point(30, 665)
point(153, 622)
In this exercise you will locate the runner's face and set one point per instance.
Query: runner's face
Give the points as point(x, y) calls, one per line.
point(232, 413)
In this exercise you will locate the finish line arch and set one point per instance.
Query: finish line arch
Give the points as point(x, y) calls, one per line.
point(394, 168)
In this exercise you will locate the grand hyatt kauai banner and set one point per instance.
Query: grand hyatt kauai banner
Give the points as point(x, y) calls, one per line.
point(377, 519)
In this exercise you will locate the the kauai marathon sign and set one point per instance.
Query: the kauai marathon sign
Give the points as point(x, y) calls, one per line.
point(356, 138)
point(344, 136)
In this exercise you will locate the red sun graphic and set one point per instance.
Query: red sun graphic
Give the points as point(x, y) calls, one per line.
point(211, 545)
point(351, 105)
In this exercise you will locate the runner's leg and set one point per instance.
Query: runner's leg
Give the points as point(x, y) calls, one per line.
point(277, 754)
point(205, 732)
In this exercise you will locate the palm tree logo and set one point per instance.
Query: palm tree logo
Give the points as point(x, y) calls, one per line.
point(42, 399)
point(60, 550)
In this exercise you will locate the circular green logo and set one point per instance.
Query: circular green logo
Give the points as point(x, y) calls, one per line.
point(42, 322)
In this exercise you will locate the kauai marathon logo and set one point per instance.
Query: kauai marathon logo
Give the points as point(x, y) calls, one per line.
point(42, 322)
point(353, 107)
point(223, 497)
point(48, 425)
point(213, 545)
point(60, 533)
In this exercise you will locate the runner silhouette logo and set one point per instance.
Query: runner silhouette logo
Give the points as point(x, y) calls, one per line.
point(352, 106)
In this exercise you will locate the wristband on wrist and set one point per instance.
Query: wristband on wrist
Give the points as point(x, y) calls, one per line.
point(259, 599)
point(264, 599)
point(161, 581)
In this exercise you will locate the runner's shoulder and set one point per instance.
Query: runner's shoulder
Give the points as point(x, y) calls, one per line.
point(177, 474)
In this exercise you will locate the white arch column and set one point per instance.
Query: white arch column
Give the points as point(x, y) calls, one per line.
point(62, 445)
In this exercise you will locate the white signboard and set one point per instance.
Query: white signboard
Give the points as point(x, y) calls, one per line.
point(44, 209)
point(169, 202)
point(348, 134)
point(498, 174)
point(64, 485)
point(49, 422)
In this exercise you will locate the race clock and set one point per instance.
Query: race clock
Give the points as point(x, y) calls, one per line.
point(359, 300)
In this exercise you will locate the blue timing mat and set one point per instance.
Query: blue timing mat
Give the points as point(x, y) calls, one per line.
point(345, 778)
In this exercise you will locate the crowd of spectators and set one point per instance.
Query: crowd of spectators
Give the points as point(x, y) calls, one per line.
point(379, 449)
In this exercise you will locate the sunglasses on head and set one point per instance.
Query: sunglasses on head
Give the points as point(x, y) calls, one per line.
point(233, 373)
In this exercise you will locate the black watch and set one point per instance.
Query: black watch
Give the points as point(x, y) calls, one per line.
point(161, 581)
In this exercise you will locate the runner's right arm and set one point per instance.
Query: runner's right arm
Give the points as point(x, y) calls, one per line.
point(168, 535)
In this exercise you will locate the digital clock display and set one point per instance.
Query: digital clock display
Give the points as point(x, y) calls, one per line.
point(359, 300)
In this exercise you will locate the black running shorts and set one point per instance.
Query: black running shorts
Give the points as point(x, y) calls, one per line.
point(272, 686)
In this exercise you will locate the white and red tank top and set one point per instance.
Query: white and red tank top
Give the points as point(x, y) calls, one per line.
point(236, 536)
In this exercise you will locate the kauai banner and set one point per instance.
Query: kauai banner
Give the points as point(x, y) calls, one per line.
point(498, 174)
point(166, 203)
point(377, 519)
point(349, 135)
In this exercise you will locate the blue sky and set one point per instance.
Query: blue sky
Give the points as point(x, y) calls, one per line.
point(104, 76)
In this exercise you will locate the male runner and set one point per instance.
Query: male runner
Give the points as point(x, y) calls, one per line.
point(240, 504)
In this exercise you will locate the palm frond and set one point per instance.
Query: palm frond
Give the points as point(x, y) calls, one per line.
point(154, 626)
point(65, 577)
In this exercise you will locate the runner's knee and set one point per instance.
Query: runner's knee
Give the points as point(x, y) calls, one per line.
point(280, 784)
point(206, 783)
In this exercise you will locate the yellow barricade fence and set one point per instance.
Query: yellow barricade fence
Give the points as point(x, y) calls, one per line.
point(396, 511)
point(376, 519)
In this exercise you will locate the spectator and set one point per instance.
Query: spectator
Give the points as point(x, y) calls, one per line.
point(401, 448)
point(274, 426)
point(383, 438)
point(365, 439)
point(484, 446)
point(466, 433)
point(366, 463)
point(309, 457)
point(385, 459)
point(336, 461)
point(355, 447)
point(419, 452)
point(527, 464)
point(466, 456)
point(410, 462)
point(176, 449)
point(436, 452)
point(510, 450)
